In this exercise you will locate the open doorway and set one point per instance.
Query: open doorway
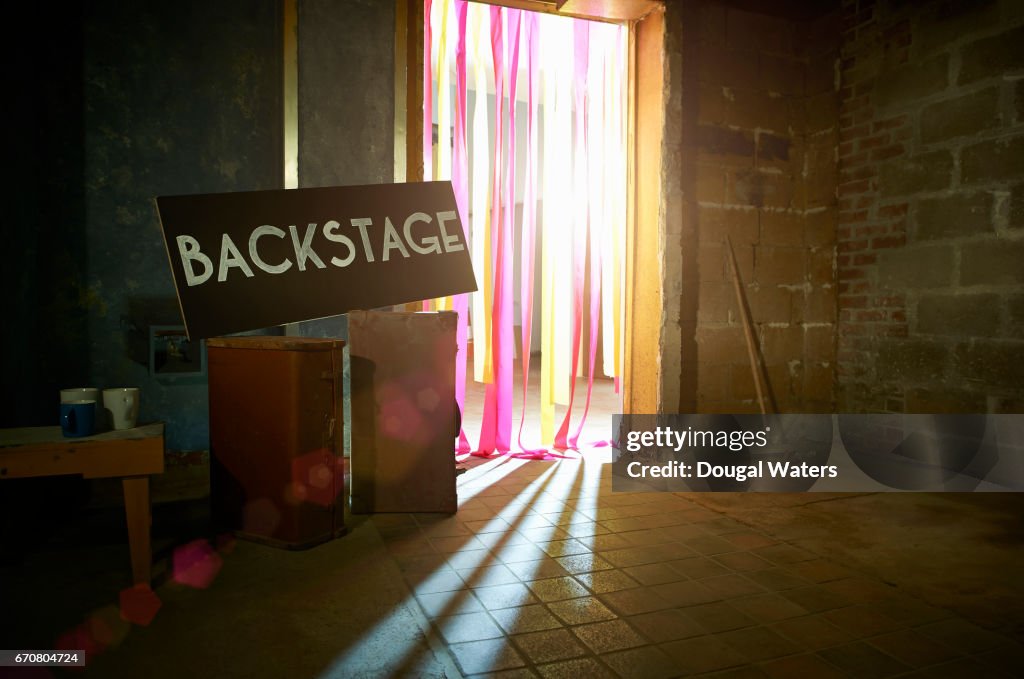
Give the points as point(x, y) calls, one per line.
point(526, 114)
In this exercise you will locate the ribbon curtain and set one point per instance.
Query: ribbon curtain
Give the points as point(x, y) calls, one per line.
point(560, 83)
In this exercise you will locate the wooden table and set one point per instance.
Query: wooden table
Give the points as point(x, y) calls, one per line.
point(132, 454)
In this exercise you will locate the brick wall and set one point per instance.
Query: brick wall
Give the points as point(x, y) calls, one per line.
point(759, 168)
point(930, 242)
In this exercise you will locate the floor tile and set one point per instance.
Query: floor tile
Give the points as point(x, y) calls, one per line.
point(449, 545)
point(862, 621)
point(519, 553)
point(813, 632)
point(742, 562)
point(583, 563)
point(635, 600)
point(448, 603)
point(654, 574)
point(467, 627)
point(703, 654)
point(575, 669)
point(1008, 658)
point(814, 598)
point(564, 548)
point(518, 673)
point(610, 541)
point(582, 610)
point(768, 607)
point(533, 618)
point(759, 643)
point(913, 648)
point(717, 617)
point(667, 625)
point(556, 589)
point(784, 554)
point(646, 662)
point(684, 593)
point(607, 636)
point(470, 558)
point(777, 579)
point(806, 666)
point(538, 570)
point(709, 545)
point(548, 646)
point(492, 574)
point(602, 582)
point(962, 635)
point(433, 582)
point(859, 660)
point(731, 586)
point(476, 657)
point(698, 567)
point(820, 570)
point(504, 596)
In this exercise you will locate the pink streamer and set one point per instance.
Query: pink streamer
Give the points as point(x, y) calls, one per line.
point(495, 429)
point(580, 53)
point(428, 104)
point(428, 95)
point(529, 226)
point(460, 183)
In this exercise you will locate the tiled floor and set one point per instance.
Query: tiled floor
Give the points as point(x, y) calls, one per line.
point(544, 571)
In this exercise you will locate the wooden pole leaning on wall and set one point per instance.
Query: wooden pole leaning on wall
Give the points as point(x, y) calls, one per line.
point(765, 398)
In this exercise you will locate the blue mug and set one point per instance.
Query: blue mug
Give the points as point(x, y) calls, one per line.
point(78, 418)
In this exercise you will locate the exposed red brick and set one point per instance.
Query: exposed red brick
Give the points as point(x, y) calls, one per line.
point(870, 231)
point(888, 123)
point(889, 301)
point(864, 259)
point(872, 142)
point(859, 186)
point(886, 152)
point(896, 210)
point(852, 245)
point(857, 159)
point(869, 316)
point(888, 242)
point(853, 174)
point(854, 132)
point(892, 330)
point(853, 301)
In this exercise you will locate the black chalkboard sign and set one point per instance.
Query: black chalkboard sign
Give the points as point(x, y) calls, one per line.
point(249, 260)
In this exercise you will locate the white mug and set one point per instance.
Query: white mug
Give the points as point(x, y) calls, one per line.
point(86, 394)
point(122, 406)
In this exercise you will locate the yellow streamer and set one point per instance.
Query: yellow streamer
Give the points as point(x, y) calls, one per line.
point(480, 212)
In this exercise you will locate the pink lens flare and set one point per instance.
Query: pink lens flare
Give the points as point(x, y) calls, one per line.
point(196, 564)
point(139, 605)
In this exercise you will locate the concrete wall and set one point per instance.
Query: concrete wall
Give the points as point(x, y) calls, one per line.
point(178, 99)
point(756, 163)
point(931, 199)
point(346, 103)
point(127, 102)
point(120, 103)
point(45, 343)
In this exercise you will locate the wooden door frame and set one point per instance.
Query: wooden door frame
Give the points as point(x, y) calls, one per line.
point(647, 387)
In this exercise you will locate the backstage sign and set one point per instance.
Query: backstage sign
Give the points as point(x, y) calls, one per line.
point(249, 260)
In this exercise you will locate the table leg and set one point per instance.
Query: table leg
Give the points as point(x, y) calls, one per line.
point(137, 510)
